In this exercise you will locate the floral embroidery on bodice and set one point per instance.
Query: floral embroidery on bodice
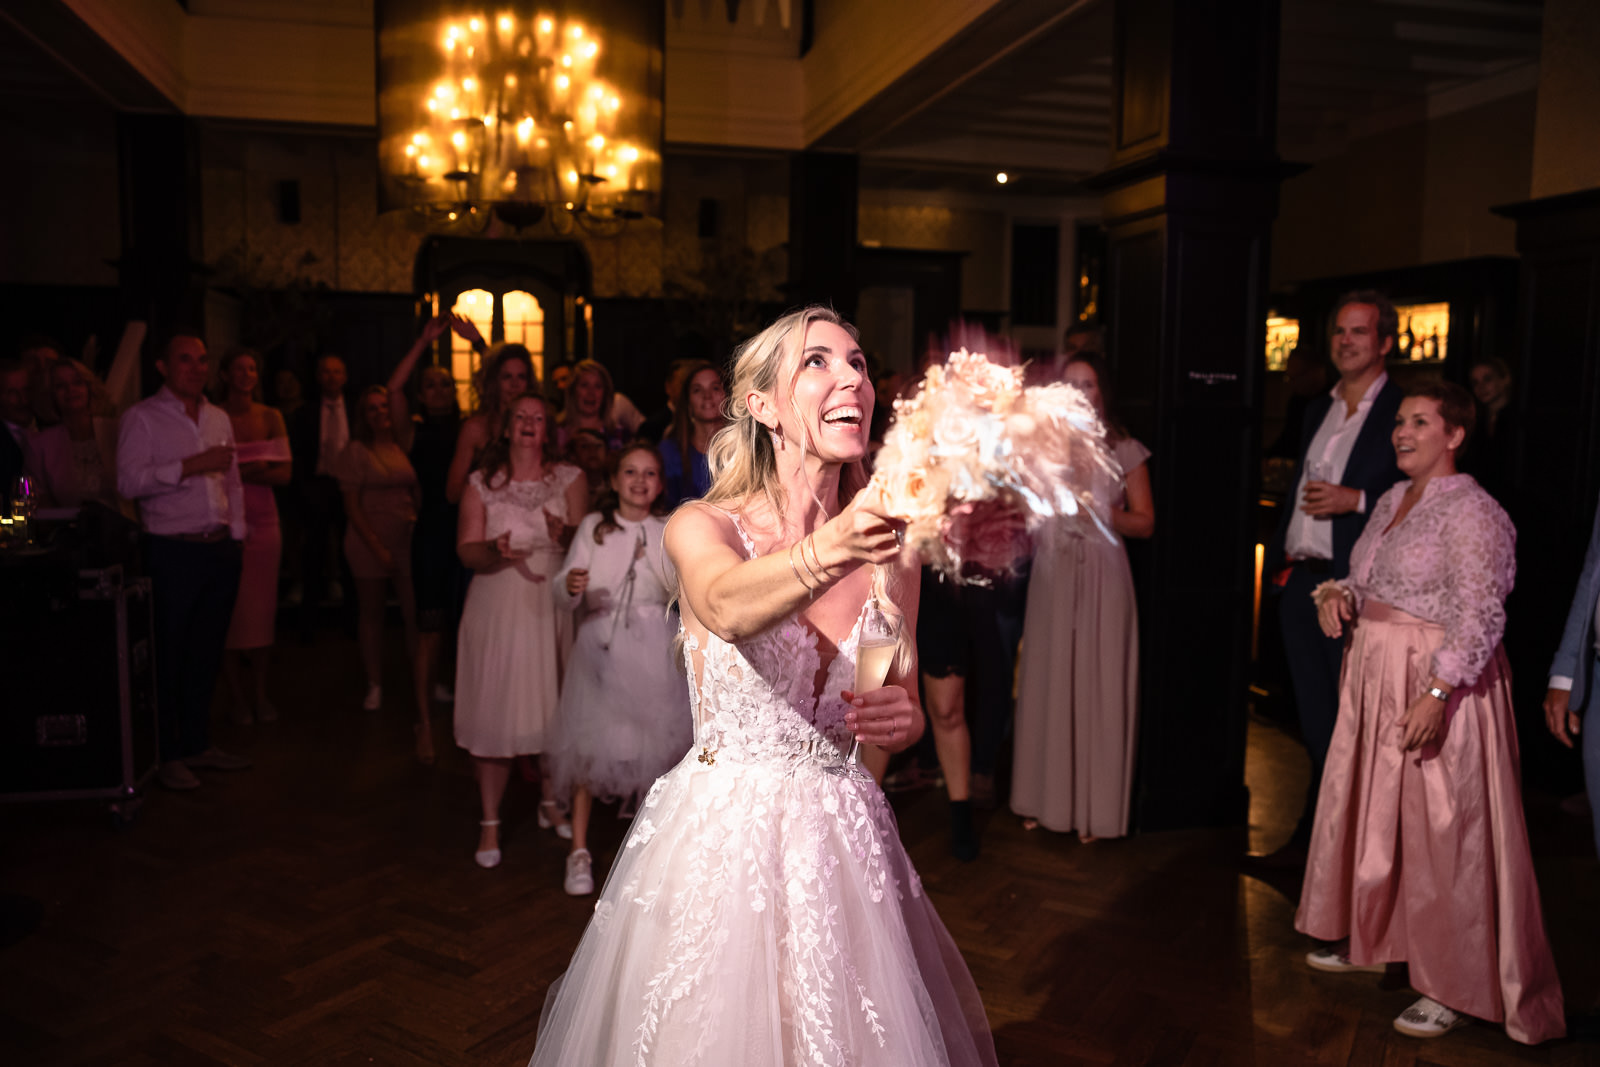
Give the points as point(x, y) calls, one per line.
point(1451, 561)
point(768, 836)
point(518, 507)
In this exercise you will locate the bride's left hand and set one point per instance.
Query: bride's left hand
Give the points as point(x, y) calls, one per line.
point(885, 718)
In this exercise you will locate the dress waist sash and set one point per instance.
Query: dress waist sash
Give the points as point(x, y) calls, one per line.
point(1378, 611)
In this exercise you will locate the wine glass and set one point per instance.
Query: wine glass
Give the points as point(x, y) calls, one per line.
point(22, 508)
point(875, 649)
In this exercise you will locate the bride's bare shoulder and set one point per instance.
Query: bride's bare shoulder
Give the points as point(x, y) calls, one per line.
point(697, 524)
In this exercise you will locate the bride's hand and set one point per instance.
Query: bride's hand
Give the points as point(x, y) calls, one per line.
point(861, 532)
point(884, 717)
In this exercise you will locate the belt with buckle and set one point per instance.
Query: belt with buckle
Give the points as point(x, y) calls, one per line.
point(209, 537)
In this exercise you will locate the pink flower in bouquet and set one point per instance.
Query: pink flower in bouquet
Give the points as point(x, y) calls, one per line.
point(990, 535)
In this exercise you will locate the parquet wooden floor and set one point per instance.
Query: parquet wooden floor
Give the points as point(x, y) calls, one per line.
point(323, 908)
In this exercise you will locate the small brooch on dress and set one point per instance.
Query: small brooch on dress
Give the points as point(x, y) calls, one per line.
point(708, 755)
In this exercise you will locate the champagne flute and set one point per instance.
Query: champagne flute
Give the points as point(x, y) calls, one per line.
point(875, 649)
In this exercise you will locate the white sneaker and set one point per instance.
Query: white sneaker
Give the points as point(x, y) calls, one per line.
point(1327, 959)
point(374, 699)
point(1428, 1018)
point(580, 879)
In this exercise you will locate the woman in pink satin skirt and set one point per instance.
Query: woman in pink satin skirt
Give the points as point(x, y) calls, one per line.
point(1419, 852)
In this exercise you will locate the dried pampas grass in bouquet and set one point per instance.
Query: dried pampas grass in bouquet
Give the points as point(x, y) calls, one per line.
point(975, 461)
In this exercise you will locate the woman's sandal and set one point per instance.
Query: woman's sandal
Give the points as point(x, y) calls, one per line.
point(488, 857)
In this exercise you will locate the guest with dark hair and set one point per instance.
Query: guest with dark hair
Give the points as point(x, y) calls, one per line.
point(1346, 463)
point(175, 458)
point(381, 495)
point(264, 464)
point(698, 415)
point(16, 422)
point(318, 436)
point(1078, 682)
point(1492, 459)
point(505, 374)
point(74, 460)
point(429, 439)
point(39, 353)
point(517, 517)
point(654, 428)
point(1420, 853)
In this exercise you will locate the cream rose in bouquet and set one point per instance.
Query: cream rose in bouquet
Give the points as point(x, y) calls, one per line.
point(974, 461)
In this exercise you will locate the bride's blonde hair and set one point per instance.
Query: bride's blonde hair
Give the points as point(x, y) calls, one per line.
point(742, 459)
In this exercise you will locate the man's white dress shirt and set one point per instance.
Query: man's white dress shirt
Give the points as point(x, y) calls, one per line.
point(155, 437)
point(1312, 538)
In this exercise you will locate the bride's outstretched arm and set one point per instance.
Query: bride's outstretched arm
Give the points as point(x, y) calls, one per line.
point(735, 597)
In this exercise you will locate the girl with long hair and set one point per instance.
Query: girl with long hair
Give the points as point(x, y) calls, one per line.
point(763, 910)
point(696, 418)
point(505, 374)
point(512, 532)
point(624, 715)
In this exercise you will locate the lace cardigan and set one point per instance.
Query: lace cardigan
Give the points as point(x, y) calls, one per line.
point(1451, 561)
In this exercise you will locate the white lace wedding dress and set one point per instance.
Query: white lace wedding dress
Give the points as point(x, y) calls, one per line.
point(762, 911)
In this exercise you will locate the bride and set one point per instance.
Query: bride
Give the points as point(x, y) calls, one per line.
point(763, 911)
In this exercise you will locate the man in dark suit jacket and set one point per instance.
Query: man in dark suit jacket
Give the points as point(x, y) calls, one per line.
point(1346, 463)
point(318, 432)
point(16, 419)
point(1573, 675)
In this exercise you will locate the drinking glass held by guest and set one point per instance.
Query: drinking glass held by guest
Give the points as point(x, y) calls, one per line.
point(505, 374)
point(74, 460)
point(624, 719)
point(381, 494)
point(175, 459)
point(697, 417)
point(516, 521)
point(1419, 853)
point(1077, 724)
point(264, 463)
point(437, 577)
point(763, 910)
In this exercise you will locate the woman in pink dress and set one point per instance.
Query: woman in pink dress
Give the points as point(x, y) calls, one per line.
point(381, 497)
point(1419, 853)
point(263, 451)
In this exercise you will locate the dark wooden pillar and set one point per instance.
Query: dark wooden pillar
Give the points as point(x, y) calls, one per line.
point(1189, 201)
point(161, 272)
point(822, 230)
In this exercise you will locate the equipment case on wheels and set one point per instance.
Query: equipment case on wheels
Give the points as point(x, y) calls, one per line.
point(79, 718)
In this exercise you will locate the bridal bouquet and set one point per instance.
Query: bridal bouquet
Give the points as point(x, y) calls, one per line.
point(975, 461)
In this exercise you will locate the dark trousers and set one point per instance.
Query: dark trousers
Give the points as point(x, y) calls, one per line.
point(996, 614)
point(322, 555)
point(195, 585)
point(1314, 662)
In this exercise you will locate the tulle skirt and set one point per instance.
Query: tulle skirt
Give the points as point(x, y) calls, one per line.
point(759, 915)
point(506, 672)
point(624, 718)
point(1423, 856)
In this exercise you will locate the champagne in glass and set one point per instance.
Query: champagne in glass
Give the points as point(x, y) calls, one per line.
point(875, 649)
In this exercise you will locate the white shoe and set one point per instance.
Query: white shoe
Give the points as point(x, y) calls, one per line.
point(563, 828)
point(580, 880)
point(488, 857)
point(1428, 1018)
point(374, 699)
point(443, 693)
point(1327, 959)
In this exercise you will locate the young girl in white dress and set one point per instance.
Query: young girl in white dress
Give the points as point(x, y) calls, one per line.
point(763, 911)
point(513, 528)
point(624, 715)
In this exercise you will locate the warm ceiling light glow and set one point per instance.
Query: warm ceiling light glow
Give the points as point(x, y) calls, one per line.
point(459, 140)
point(590, 49)
point(411, 150)
point(455, 113)
point(576, 32)
point(453, 32)
point(511, 81)
point(477, 25)
point(506, 23)
point(449, 44)
point(613, 103)
point(596, 92)
point(597, 142)
point(468, 84)
point(422, 161)
point(1002, 177)
point(563, 82)
point(545, 25)
point(444, 90)
point(433, 105)
point(419, 138)
point(572, 177)
point(566, 61)
point(628, 154)
point(488, 120)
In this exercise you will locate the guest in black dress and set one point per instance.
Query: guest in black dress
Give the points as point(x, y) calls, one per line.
point(429, 438)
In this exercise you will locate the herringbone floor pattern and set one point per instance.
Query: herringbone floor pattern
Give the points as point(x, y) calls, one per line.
point(323, 908)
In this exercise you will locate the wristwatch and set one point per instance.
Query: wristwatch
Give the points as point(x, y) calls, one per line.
point(1438, 694)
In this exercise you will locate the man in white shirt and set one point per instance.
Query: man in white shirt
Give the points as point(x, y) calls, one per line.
point(175, 459)
point(1573, 674)
point(1347, 463)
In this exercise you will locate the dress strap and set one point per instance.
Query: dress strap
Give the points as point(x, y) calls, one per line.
point(749, 545)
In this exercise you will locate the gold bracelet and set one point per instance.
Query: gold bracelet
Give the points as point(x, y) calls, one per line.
point(812, 589)
point(790, 556)
point(814, 555)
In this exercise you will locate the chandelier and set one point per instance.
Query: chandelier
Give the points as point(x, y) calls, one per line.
point(528, 116)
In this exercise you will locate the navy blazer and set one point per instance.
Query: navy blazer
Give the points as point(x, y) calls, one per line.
point(1371, 469)
point(1575, 658)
